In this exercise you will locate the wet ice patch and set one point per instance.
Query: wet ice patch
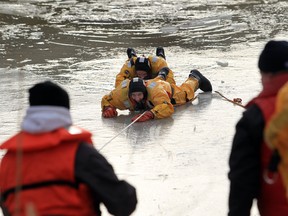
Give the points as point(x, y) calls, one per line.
point(169, 29)
point(23, 9)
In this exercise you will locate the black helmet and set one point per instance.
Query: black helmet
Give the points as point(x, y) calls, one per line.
point(137, 85)
point(143, 63)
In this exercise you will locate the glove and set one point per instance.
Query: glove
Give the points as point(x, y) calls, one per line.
point(163, 72)
point(147, 116)
point(109, 112)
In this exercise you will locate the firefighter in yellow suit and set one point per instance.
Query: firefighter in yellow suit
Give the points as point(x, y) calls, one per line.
point(276, 134)
point(144, 68)
point(156, 96)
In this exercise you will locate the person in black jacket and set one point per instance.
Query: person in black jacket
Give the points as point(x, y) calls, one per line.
point(63, 174)
point(250, 156)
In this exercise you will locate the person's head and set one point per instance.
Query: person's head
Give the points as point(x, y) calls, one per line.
point(137, 90)
point(48, 94)
point(274, 58)
point(143, 68)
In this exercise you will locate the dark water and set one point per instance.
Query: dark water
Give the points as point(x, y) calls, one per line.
point(41, 32)
point(178, 165)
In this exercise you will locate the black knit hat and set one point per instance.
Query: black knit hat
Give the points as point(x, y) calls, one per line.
point(137, 85)
point(48, 94)
point(274, 57)
point(142, 63)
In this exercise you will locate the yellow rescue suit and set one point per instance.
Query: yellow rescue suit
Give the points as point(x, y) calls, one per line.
point(276, 132)
point(128, 69)
point(161, 96)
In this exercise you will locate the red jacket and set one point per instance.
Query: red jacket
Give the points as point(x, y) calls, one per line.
point(272, 200)
point(47, 173)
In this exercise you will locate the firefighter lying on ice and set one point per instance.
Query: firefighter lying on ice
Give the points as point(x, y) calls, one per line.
point(155, 96)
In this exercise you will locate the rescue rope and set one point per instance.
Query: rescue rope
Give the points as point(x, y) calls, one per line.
point(121, 131)
point(231, 101)
point(19, 153)
point(268, 176)
point(129, 126)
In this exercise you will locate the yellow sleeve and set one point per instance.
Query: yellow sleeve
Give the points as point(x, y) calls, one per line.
point(277, 127)
point(276, 133)
point(282, 98)
point(163, 110)
point(106, 100)
point(161, 101)
point(127, 72)
point(118, 97)
point(157, 63)
point(170, 78)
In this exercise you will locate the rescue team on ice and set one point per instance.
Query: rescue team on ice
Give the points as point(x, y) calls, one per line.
point(32, 182)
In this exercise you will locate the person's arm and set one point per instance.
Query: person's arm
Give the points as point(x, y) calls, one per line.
point(158, 96)
point(127, 72)
point(157, 64)
point(118, 98)
point(163, 107)
point(105, 102)
point(92, 169)
point(170, 77)
point(245, 162)
point(4, 209)
point(276, 128)
point(108, 109)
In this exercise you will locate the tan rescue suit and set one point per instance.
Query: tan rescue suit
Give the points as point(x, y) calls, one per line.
point(276, 133)
point(128, 69)
point(161, 99)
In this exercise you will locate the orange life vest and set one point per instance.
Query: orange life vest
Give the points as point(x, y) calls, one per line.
point(276, 136)
point(47, 173)
point(271, 200)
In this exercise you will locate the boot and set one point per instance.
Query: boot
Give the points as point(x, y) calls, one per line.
point(160, 52)
point(204, 83)
point(131, 52)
